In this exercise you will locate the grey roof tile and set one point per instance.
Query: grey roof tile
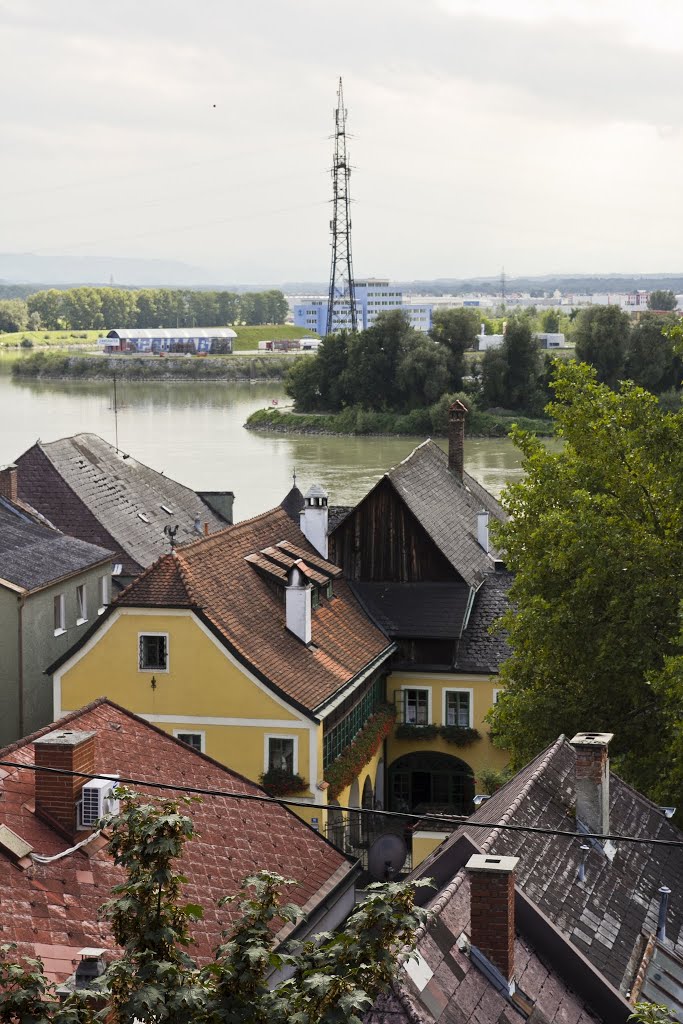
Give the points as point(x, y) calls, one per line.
point(481, 648)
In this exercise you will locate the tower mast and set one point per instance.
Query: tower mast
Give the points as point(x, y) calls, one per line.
point(341, 269)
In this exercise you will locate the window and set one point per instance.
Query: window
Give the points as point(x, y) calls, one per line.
point(458, 704)
point(416, 707)
point(193, 739)
point(496, 695)
point(315, 598)
point(59, 613)
point(280, 754)
point(102, 593)
point(154, 652)
point(81, 604)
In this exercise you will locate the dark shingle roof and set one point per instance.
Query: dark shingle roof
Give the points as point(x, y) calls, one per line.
point(446, 507)
point(32, 556)
point(87, 488)
point(426, 610)
point(481, 650)
point(336, 514)
point(292, 503)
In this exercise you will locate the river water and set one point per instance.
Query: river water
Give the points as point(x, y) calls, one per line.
point(194, 433)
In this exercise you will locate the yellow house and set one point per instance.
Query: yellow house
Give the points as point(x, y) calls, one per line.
point(249, 646)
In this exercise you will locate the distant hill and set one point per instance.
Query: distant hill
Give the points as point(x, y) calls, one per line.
point(33, 269)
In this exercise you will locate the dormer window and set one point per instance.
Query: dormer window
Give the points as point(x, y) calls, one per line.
point(315, 598)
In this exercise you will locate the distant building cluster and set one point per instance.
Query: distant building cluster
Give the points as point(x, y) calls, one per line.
point(372, 297)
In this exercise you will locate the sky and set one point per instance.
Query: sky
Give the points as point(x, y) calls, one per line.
point(543, 136)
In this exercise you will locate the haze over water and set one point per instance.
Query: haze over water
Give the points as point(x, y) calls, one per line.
point(194, 433)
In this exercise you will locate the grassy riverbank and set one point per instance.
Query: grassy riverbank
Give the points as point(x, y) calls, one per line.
point(53, 365)
point(429, 421)
point(48, 339)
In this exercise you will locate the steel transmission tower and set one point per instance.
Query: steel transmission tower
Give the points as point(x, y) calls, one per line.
point(341, 269)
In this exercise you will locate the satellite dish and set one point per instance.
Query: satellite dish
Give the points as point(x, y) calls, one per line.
point(387, 856)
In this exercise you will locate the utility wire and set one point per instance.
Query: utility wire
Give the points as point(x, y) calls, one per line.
point(455, 819)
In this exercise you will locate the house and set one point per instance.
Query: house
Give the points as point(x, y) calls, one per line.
point(250, 646)
point(91, 490)
point(417, 553)
point(604, 915)
point(52, 588)
point(51, 893)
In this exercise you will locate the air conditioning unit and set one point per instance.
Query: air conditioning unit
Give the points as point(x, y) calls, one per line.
point(97, 800)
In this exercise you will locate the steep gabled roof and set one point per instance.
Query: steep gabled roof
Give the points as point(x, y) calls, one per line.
point(51, 910)
point(89, 489)
point(484, 647)
point(224, 578)
point(33, 555)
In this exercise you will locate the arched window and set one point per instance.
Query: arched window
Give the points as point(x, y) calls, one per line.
point(429, 781)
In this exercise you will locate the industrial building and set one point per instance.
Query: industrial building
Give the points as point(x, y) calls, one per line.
point(372, 297)
point(170, 339)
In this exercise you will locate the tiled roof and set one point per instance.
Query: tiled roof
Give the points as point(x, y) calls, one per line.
point(446, 507)
point(483, 650)
point(425, 610)
point(292, 503)
point(89, 489)
point(51, 910)
point(607, 915)
point(457, 991)
point(248, 613)
point(32, 555)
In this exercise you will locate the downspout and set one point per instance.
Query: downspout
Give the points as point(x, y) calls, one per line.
point(20, 630)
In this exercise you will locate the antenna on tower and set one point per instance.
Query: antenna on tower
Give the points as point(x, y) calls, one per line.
point(502, 286)
point(341, 269)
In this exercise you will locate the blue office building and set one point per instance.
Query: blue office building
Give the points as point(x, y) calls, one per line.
point(372, 297)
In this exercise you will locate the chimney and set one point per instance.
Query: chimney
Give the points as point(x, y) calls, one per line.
point(206, 529)
point(57, 795)
point(313, 518)
point(8, 482)
point(198, 526)
point(483, 530)
point(298, 604)
point(456, 437)
point(592, 780)
point(492, 911)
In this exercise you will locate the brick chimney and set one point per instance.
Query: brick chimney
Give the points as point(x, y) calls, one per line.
point(8, 482)
point(57, 795)
point(456, 437)
point(592, 780)
point(492, 910)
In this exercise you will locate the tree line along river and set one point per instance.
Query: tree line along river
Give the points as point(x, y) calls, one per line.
point(194, 432)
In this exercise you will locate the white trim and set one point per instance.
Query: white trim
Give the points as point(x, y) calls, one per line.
point(264, 723)
point(457, 689)
point(61, 628)
point(428, 690)
point(192, 732)
point(443, 677)
point(281, 736)
point(497, 690)
point(81, 603)
point(168, 659)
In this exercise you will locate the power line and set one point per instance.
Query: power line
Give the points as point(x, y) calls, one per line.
point(454, 819)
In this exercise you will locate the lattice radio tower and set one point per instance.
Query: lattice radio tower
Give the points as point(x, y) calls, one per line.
point(341, 269)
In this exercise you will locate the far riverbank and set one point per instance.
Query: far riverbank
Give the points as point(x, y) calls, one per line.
point(66, 366)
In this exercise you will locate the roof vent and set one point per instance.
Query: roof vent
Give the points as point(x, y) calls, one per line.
point(97, 799)
point(13, 845)
point(91, 967)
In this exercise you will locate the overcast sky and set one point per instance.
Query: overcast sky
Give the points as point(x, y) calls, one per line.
point(542, 135)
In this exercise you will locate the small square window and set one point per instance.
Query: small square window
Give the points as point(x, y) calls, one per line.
point(59, 614)
point(193, 739)
point(154, 652)
point(416, 707)
point(81, 604)
point(281, 754)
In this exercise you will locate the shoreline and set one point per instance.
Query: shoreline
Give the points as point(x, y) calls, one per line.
point(235, 368)
point(265, 421)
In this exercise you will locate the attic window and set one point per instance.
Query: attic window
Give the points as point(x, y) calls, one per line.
point(329, 590)
point(315, 598)
point(141, 515)
point(166, 509)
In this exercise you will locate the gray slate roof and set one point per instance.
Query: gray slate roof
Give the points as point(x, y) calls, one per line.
point(607, 916)
point(32, 556)
point(447, 508)
point(425, 610)
point(481, 650)
point(118, 491)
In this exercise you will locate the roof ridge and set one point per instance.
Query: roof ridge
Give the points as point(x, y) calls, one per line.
point(542, 764)
point(25, 741)
point(232, 527)
point(169, 556)
point(186, 577)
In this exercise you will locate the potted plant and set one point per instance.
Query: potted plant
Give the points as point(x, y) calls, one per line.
point(278, 782)
point(411, 731)
point(460, 735)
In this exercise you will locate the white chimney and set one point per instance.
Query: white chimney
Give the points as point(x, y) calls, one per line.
point(298, 604)
point(483, 530)
point(592, 781)
point(313, 518)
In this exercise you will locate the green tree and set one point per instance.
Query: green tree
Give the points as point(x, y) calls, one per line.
point(650, 354)
point(456, 330)
point(374, 356)
point(511, 374)
point(595, 540)
point(331, 363)
point(82, 309)
point(662, 299)
point(422, 375)
point(14, 315)
point(302, 384)
point(119, 308)
point(550, 321)
point(49, 306)
point(601, 338)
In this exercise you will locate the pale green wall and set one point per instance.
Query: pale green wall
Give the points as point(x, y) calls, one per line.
point(9, 666)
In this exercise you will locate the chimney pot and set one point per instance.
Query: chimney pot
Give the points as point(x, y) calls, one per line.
point(298, 605)
point(592, 780)
point(456, 438)
point(9, 486)
point(57, 795)
point(206, 529)
point(492, 910)
point(313, 518)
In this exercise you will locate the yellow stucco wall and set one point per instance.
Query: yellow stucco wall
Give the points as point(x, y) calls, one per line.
point(478, 755)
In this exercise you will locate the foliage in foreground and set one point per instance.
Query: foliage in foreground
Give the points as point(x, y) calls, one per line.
point(595, 539)
point(330, 979)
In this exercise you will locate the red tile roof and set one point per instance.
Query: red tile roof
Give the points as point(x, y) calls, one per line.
point(214, 576)
point(51, 910)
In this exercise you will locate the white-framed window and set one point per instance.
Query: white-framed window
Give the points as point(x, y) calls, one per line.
point(197, 740)
point(281, 753)
point(417, 705)
point(81, 604)
point(457, 707)
point(496, 694)
point(103, 593)
point(153, 652)
point(59, 614)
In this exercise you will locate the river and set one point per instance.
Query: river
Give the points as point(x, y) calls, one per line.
point(194, 433)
